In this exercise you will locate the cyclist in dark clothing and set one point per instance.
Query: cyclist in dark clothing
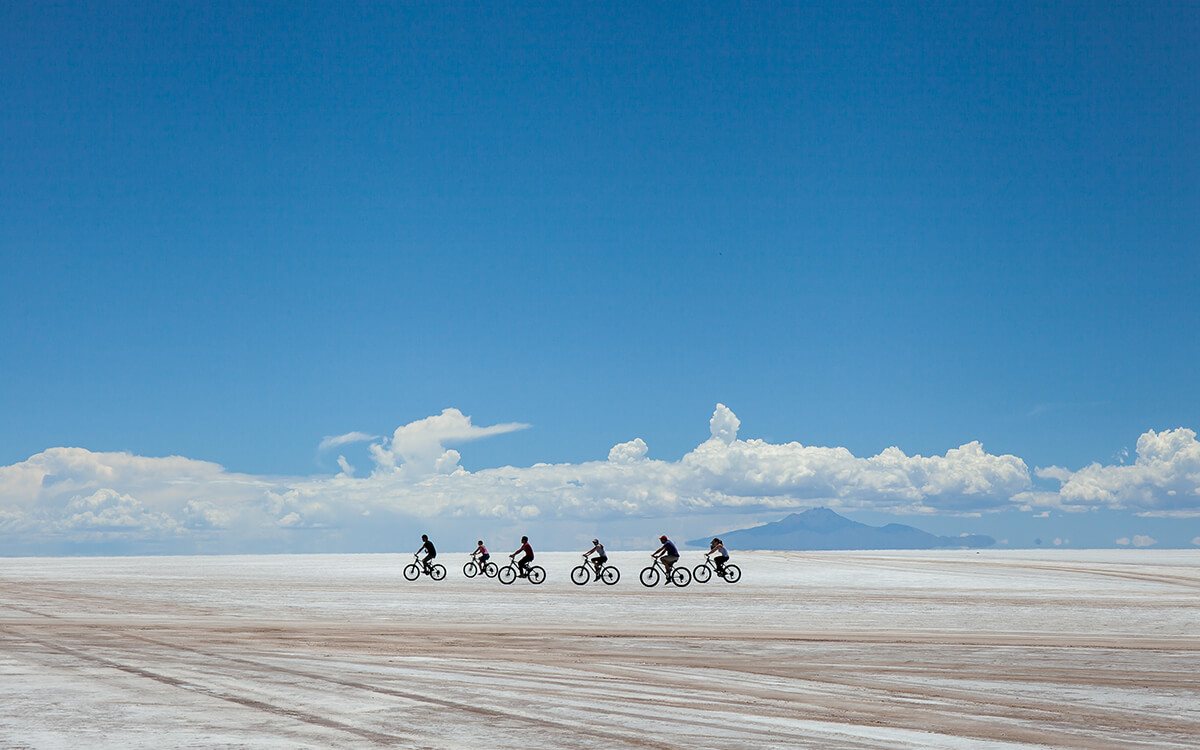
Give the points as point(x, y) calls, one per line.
point(668, 554)
point(523, 563)
point(429, 551)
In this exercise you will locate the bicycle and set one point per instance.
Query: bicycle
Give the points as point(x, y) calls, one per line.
point(509, 573)
point(414, 569)
point(586, 571)
point(474, 568)
point(704, 571)
point(680, 575)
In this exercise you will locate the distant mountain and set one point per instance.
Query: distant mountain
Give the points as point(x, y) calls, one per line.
point(822, 529)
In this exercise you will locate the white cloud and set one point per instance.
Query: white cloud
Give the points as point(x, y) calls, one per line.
point(418, 448)
point(1138, 541)
point(627, 453)
point(333, 441)
point(108, 514)
point(1165, 477)
point(1196, 541)
point(724, 425)
point(416, 476)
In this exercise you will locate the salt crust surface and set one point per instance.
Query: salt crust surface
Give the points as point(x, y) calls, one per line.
point(948, 649)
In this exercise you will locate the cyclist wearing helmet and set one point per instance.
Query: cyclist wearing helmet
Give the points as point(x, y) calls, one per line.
point(601, 558)
point(667, 553)
point(718, 548)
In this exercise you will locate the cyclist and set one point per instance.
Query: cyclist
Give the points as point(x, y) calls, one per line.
point(523, 563)
point(480, 555)
point(667, 553)
point(601, 558)
point(718, 548)
point(428, 549)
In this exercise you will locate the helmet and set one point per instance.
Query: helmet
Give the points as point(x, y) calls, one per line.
point(662, 538)
point(595, 541)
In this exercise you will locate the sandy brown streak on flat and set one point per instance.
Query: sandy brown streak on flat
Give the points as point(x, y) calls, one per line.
point(854, 693)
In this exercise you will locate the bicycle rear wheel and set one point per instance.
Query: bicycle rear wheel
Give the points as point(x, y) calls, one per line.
point(490, 570)
point(437, 572)
point(681, 576)
point(732, 573)
point(610, 575)
point(650, 576)
point(537, 574)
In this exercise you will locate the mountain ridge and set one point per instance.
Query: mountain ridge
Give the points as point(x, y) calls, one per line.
point(823, 529)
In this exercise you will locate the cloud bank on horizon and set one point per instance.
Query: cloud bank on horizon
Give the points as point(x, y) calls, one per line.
point(78, 496)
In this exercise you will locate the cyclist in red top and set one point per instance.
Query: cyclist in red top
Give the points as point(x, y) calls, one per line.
point(523, 563)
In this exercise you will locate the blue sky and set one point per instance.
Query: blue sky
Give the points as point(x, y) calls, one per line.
point(231, 231)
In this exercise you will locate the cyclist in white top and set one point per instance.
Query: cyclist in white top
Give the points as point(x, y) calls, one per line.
point(601, 558)
point(718, 548)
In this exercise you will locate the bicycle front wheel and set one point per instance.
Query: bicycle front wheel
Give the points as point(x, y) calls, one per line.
point(702, 573)
point(437, 572)
point(733, 573)
point(610, 575)
point(537, 574)
point(650, 576)
point(470, 570)
point(580, 575)
point(412, 571)
point(507, 574)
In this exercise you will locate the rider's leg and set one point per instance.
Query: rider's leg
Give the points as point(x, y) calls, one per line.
point(669, 562)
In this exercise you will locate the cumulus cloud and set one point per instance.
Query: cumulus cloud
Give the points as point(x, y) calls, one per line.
point(724, 425)
point(418, 448)
point(1164, 478)
point(417, 476)
point(624, 453)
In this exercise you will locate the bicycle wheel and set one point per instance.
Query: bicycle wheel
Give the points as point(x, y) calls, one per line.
point(610, 575)
point(537, 574)
point(732, 573)
point(580, 575)
point(650, 576)
point(470, 570)
point(702, 573)
point(681, 576)
point(490, 570)
point(412, 571)
point(437, 572)
point(507, 574)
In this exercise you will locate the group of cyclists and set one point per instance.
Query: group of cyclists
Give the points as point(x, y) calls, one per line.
point(667, 554)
